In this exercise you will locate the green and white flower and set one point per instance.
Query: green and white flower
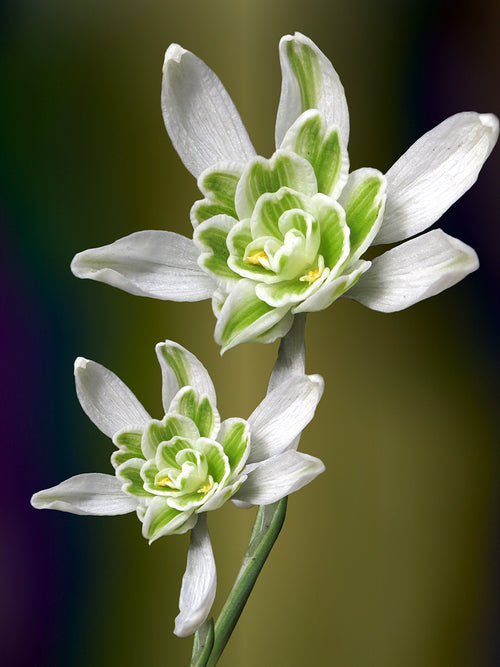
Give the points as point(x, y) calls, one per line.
point(173, 470)
point(280, 236)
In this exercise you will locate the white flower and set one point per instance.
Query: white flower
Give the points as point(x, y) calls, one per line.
point(174, 470)
point(279, 236)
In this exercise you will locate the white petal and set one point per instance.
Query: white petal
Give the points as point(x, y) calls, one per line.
point(199, 115)
point(180, 368)
point(278, 477)
point(105, 399)
point(92, 493)
point(282, 415)
point(413, 271)
point(199, 582)
point(291, 355)
point(330, 96)
point(435, 172)
point(155, 263)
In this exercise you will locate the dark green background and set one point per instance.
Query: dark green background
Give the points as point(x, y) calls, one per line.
point(389, 558)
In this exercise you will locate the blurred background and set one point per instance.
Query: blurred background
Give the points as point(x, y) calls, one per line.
point(389, 559)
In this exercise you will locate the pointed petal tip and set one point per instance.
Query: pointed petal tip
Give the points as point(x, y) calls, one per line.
point(174, 53)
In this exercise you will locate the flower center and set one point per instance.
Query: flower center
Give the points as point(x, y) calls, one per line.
point(256, 257)
point(310, 276)
point(164, 481)
point(205, 489)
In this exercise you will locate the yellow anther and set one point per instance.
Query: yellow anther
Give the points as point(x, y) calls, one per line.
point(165, 481)
point(311, 276)
point(205, 489)
point(256, 257)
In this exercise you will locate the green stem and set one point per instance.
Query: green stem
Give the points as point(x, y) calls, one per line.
point(203, 643)
point(266, 529)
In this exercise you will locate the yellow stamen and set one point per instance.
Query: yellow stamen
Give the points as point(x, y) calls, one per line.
point(311, 276)
point(256, 257)
point(165, 481)
point(205, 489)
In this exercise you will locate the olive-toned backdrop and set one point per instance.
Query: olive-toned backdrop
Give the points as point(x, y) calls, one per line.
point(389, 558)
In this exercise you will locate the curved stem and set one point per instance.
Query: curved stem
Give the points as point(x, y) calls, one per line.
point(266, 529)
point(203, 643)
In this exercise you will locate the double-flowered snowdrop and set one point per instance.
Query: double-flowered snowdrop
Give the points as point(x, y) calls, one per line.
point(286, 235)
point(173, 471)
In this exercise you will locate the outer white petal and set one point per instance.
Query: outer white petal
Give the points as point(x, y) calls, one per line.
point(105, 399)
point(282, 415)
point(435, 172)
point(155, 263)
point(199, 115)
point(92, 493)
point(331, 97)
point(278, 477)
point(181, 368)
point(413, 271)
point(199, 582)
point(291, 355)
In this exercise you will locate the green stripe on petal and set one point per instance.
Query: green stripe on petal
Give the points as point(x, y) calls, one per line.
point(332, 290)
point(211, 237)
point(305, 66)
point(161, 431)
point(206, 419)
point(310, 138)
point(283, 169)
point(270, 207)
point(244, 316)
point(166, 456)
point(204, 209)
point(161, 519)
point(218, 462)
point(219, 184)
point(334, 245)
point(234, 436)
point(290, 292)
point(199, 409)
point(187, 501)
point(363, 199)
point(130, 473)
point(129, 446)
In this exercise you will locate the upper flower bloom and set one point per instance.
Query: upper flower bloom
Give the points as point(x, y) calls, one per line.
point(174, 470)
point(279, 236)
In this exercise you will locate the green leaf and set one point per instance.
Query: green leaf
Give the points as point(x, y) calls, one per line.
point(310, 138)
point(363, 199)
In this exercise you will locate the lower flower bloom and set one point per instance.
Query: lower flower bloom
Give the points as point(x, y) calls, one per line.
point(174, 470)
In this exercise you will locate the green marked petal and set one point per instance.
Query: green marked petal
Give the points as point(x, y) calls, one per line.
point(363, 199)
point(187, 501)
point(234, 436)
point(149, 471)
point(211, 237)
point(130, 473)
point(218, 462)
point(304, 64)
point(310, 138)
point(238, 240)
point(277, 330)
point(129, 446)
point(219, 184)
point(199, 409)
point(309, 228)
point(161, 431)
point(334, 245)
point(332, 289)
point(270, 207)
point(204, 209)
point(244, 316)
point(290, 292)
point(166, 456)
point(284, 169)
point(161, 519)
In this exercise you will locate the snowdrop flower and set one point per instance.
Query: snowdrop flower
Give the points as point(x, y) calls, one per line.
point(174, 470)
point(285, 235)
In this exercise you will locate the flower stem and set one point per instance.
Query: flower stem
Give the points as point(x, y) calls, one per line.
point(266, 529)
point(203, 642)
